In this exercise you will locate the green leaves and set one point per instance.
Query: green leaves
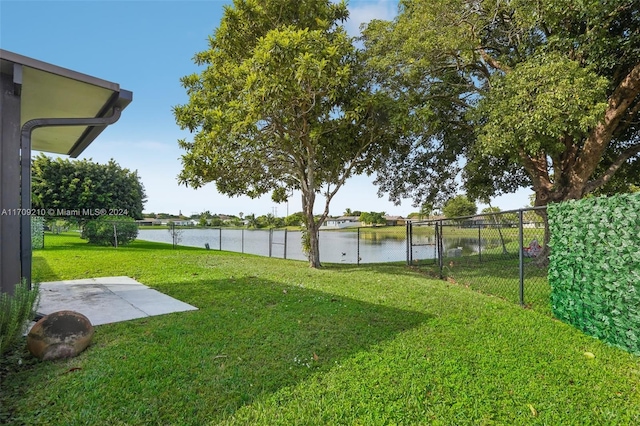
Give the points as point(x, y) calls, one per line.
point(284, 103)
point(296, 72)
point(85, 186)
point(551, 89)
point(110, 231)
point(593, 267)
point(281, 80)
point(16, 311)
point(459, 206)
point(486, 89)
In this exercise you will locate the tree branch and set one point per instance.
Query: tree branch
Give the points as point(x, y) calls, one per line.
point(492, 61)
point(539, 173)
point(625, 123)
point(568, 156)
point(599, 138)
point(613, 168)
point(345, 174)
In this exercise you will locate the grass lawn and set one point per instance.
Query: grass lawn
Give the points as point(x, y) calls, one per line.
point(274, 342)
point(497, 275)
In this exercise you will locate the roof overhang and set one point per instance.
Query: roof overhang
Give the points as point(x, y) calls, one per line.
point(49, 91)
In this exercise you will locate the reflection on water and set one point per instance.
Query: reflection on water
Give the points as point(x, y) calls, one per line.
point(470, 246)
point(374, 237)
point(335, 246)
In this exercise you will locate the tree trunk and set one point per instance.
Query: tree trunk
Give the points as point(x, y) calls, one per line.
point(573, 172)
point(313, 227)
point(314, 244)
point(543, 257)
point(495, 222)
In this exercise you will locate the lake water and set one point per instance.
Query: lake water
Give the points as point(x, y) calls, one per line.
point(335, 246)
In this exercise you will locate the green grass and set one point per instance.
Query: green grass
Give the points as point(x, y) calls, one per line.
point(274, 342)
point(494, 271)
point(497, 275)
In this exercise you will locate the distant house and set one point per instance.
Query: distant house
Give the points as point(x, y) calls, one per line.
point(416, 218)
point(341, 222)
point(487, 221)
point(187, 222)
point(479, 221)
point(226, 218)
point(149, 221)
point(395, 220)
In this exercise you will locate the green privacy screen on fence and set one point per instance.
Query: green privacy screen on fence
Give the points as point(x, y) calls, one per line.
point(594, 268)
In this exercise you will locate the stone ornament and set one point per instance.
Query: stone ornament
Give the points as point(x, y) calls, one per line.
point(62, 334)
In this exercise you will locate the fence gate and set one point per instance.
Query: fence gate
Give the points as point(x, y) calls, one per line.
point(423, 242)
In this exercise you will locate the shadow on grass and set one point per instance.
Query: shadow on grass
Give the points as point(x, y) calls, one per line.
point(42, 271)
point(250, 337)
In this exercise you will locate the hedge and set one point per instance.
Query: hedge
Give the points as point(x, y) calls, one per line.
point(594, 267)
point(110, 230)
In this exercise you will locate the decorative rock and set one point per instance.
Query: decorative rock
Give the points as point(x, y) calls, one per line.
point(62, 334)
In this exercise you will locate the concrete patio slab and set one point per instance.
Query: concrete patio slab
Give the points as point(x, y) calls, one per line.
point(107, 299)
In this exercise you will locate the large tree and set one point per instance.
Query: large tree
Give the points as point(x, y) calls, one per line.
point(282, 104)
point(505, 94)
point(459, 206)
point(85, 189)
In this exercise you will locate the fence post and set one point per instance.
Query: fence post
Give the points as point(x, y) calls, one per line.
point(220, 238)
point(440, 247)
point(285, 243)
point(409, 244)
point(358, 249)
point(242, 241)
point(521, 258)
point(115, 234)
point(479, 244)
point(270, 240)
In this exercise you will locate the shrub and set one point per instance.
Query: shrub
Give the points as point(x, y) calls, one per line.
point(15, 311)
point(110, 230)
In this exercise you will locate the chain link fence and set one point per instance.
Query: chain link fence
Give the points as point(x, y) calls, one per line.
point(351, 246)
point(500, 254)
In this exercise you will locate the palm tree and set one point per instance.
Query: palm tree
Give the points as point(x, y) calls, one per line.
point(251, 221)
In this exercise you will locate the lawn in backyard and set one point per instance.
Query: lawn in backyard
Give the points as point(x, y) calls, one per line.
point(274, 342)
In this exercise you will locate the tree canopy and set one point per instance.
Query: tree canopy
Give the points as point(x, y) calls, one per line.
point(504, 94)
point(459, 206)
point(283, 104)
point(86, 189)
point(373, 218)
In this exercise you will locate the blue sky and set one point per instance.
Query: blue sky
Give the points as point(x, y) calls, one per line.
point(146, 47)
